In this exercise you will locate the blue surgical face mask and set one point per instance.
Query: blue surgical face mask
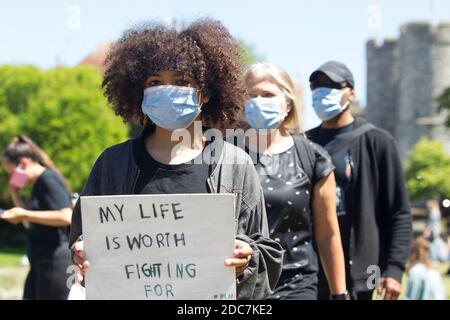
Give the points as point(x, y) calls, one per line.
point(264, 113)
point(171, 107)
point(327, 103)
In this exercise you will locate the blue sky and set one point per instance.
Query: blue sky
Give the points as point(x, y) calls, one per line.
point(299, 35)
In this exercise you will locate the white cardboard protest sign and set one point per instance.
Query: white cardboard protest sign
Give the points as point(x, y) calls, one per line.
point(159, 246)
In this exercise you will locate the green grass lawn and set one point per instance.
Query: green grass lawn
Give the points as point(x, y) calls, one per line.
point(443, 268)
point(12, 273)
point(10, 257)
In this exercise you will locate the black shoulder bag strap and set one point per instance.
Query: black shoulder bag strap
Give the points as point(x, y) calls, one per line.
point(305, 154)
point(345, 138)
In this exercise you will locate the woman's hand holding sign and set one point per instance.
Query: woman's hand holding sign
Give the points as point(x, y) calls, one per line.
point(79, 258)
point(241, 256)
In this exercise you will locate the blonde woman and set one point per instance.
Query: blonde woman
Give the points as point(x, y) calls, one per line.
point(299, 186)
point(424, 281)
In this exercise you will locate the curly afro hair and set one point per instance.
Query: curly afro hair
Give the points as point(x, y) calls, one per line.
point(204, 50)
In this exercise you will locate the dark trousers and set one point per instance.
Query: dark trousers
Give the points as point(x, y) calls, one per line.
point(47, 279)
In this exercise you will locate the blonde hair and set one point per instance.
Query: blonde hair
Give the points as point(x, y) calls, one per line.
point(420, 253)
point(293, 123)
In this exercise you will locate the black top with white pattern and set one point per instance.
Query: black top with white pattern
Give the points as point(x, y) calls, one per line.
point(288, 194)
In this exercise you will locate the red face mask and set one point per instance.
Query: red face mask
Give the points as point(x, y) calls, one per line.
point(19, 178)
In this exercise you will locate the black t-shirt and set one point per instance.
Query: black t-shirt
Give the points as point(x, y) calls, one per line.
point(287, 192)
point(343, 172)
point(159, 178)
point(49, 193)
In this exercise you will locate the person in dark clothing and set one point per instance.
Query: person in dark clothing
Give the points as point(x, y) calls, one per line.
point(177, 83)
point(372, 201)
point(298, 183)
point(47, 217)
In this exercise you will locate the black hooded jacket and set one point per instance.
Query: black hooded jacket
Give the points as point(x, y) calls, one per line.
point(381, 228)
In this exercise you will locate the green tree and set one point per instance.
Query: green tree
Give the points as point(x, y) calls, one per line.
point(64, 111)
point(428, 171)
point(249, 53)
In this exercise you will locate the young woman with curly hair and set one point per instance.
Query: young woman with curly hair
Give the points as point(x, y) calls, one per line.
point(166, 79)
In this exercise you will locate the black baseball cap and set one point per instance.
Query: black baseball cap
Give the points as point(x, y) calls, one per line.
point(336, 71)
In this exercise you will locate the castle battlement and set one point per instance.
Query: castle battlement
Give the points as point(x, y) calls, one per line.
point(404, 78)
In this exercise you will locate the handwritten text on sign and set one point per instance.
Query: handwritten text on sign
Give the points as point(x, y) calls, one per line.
point(159, 246)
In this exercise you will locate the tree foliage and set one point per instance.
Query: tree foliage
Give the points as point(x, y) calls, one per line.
point(428, 171)
point(249, 53)
point(64, 111)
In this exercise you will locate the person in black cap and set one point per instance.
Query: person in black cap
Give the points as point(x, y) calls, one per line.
point(372, 201)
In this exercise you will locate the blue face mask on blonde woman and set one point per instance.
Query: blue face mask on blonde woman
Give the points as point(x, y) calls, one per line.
point(267, 107)
point(265, 113)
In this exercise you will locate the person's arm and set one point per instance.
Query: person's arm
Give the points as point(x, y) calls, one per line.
point(15, 196)
point(397, 217)
point(264, 268)
point(327, 233)
point(17, 201)
point(79, 258)
point(242, 255)
point(53, 218)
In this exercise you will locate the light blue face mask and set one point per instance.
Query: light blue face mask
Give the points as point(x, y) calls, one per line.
point(171, 107)
point(327, 103)
point(264, 113)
